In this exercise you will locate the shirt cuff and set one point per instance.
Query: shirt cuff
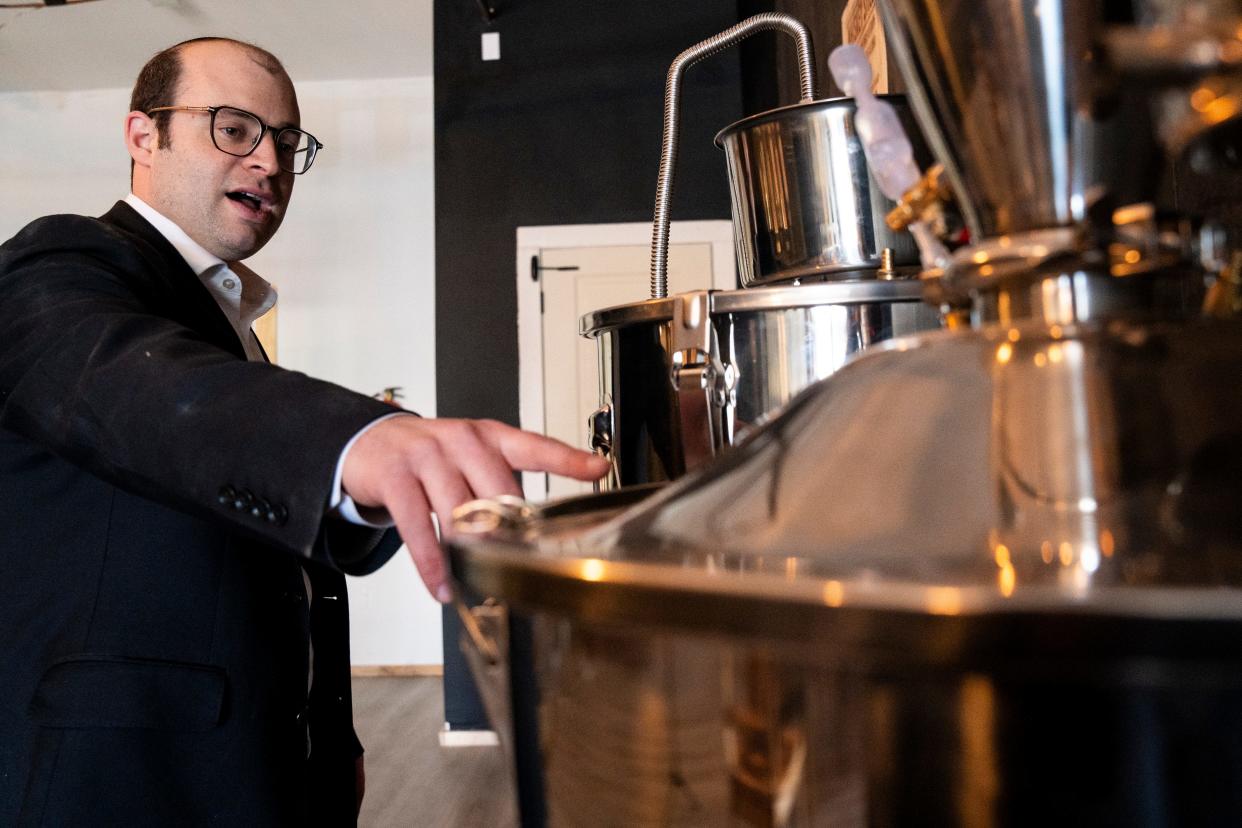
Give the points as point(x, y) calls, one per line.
point(342, 505)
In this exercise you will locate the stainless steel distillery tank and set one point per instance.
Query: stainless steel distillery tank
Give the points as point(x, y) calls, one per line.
point(987, 577)
point(804, 203)
point(685, 377)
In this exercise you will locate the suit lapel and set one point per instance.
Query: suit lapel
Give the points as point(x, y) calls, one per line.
point(196, 306)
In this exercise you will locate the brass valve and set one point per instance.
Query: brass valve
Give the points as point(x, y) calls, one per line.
point(922, 202)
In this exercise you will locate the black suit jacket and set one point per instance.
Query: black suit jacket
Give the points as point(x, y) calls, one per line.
point(160, 497)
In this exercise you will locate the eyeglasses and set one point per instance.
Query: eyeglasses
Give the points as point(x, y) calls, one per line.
point(238, 132)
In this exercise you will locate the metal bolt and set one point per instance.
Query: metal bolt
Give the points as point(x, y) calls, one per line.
point(886, 264)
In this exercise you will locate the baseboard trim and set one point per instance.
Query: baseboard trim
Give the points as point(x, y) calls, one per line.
point(396, 670)
point(468, 738)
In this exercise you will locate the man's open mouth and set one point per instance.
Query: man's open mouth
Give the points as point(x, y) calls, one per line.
point(248, 199)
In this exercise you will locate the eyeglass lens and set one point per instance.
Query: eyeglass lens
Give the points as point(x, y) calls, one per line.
point(238, 133)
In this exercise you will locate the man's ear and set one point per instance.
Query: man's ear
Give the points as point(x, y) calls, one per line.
point(140, 137)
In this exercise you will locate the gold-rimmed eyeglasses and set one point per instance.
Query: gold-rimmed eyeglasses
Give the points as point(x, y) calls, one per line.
point(238, 132)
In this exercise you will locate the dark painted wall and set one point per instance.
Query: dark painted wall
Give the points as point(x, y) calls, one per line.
point(564, 129)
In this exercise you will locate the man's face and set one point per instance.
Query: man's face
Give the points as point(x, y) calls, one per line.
point(209, 194)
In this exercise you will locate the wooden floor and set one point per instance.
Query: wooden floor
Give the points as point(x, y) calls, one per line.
point(413, 781)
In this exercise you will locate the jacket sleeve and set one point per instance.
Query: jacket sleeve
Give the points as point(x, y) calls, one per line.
point(99, 365)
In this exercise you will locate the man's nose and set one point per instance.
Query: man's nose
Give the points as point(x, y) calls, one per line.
point(263, 157)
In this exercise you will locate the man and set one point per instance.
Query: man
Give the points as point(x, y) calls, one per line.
point(177, 512)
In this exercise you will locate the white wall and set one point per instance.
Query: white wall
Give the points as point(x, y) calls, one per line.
point(353, 264)
point(63, 152)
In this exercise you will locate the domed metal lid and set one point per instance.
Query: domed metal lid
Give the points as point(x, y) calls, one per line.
point(1087, 472)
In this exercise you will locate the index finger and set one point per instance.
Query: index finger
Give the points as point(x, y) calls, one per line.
point(527, 451)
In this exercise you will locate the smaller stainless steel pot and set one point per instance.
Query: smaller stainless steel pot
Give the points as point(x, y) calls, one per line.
point(804, 206)
point(682, 378)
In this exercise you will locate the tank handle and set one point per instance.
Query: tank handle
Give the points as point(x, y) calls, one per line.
point(672, 105)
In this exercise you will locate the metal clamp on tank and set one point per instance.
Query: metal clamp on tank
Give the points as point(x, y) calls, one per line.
point(702, 383)
point(599, 430)
point(600, 433)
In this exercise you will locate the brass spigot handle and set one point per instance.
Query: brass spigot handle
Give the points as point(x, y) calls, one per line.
point(922, 201)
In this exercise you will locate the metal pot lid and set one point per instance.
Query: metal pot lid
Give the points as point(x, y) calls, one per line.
point(789, 297)
point(796, 111)
point(1092, 472)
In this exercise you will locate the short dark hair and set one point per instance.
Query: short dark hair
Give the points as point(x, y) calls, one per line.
point(157, 82)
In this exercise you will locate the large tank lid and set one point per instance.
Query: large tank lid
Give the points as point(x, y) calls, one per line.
point(1094, 472)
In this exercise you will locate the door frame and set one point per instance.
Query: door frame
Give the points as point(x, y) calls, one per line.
point(531, 240)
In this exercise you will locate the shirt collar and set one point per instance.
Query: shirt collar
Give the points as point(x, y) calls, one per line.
point(256, 296)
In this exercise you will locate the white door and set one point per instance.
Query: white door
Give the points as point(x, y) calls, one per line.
point(576, 280)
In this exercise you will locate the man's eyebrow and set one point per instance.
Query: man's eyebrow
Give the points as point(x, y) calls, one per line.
point(285, 125)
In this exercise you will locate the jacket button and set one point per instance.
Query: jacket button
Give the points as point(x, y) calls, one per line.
point(243, 500)
point(226, 495)
point(279, 515)
point(260, 508)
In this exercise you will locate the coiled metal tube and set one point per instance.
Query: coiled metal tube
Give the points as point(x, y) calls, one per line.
point(672, 102)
